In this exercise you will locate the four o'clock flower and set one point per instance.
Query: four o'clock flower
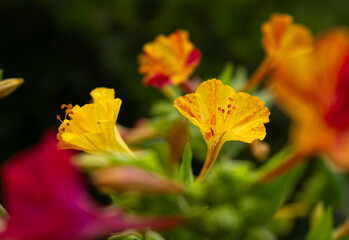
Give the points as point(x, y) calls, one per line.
point(46, 198)
point(91, 128)
point(281, 39)
point(313, 90)
point(223, 115)
point(168, 60)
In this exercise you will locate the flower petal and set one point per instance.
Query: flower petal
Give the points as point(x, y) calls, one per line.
point(283, 39)
point(103, 94)
point(9, 85)
point(248, 119)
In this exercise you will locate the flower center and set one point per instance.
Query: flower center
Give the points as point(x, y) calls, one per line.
point(227, 114)
point(68, 112)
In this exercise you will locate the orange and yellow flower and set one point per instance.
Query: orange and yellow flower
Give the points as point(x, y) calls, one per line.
point(91, 128)
point(281, 39)
point(313, 90)
point(168, 60)
point(223, 115)
point(284, 39)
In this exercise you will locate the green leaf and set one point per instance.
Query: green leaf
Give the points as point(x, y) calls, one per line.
point(150, 235)
point(127, 236)
point(324, 185)
point(240, 77)
point(185, 173)
point(226, 76)
point(323, 228)
point(265, 199)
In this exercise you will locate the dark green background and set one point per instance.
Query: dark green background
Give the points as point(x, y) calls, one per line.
point(64, 49)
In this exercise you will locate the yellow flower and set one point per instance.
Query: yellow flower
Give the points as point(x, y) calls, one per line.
point(9, 85)
point(91, 128)
point(168, 60)
point(223, 115)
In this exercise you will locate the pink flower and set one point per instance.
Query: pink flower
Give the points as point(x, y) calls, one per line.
point(46, 199)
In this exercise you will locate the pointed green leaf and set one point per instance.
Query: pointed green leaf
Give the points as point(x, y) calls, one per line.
point(240, 77)
point(185, 173)
point(126, 236)
point(226, 76)
point(150, 235)
point(324, 185)
point(266, 198)
point(323, 228)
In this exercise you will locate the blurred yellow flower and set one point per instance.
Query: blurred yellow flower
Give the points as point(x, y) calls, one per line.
point(91, 128)
point(168, 60)
point(223, 115)
point(9, 85)
point(281, 39)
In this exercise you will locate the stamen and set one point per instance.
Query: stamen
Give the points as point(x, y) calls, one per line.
point(231, 98)
point(228, 112)
point(63, 129)
point(223, 110)
point(219, 108)
point(229, 105)
point(68, 124)
point(59, 118)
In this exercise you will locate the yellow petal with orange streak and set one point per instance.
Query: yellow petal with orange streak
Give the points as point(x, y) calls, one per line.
point(223, 115)
point(248, 119)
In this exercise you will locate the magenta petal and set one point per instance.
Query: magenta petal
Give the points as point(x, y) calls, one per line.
point(338, 114)
point(46, 199)
point(158, 80)
point(194, 57)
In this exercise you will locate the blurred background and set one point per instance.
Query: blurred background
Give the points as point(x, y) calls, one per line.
point(64, 49)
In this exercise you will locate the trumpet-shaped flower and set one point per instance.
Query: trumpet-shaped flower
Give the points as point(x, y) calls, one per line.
point(168, 60)
point(91, 128)
point(281, 39)
point(46, 199)
point(284, 39)
point(313, 90)
point(223, 115)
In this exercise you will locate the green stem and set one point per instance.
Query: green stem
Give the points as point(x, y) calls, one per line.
point(292, 160)
point(211, 156)
point(341, 231)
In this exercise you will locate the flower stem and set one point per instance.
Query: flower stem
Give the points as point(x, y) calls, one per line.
point(212, 153)
point(263, 70)
point(341, 231)
point(292, 160)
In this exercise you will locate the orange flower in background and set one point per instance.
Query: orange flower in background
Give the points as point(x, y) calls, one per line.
point(313, 89)
point(168, 60)
point(284, 39)
point(223, 115)
point(281, 39)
